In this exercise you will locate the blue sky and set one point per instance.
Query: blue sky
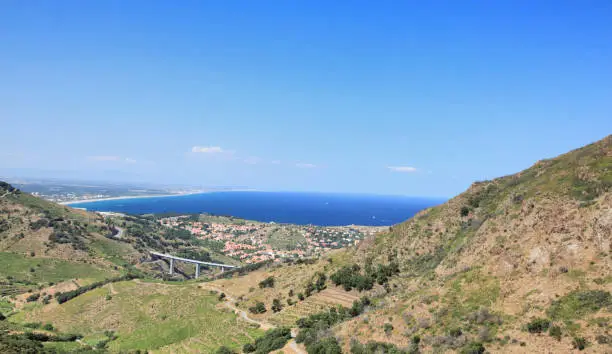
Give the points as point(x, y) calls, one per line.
point(393, 97)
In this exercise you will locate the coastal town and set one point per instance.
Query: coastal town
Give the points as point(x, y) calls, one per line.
point(252, 241)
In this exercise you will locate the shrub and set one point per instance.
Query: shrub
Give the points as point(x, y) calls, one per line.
point(301, 296)
point(555, 332)
point(47, 327)
point(33, 297)
point(577, 304)
point(221, 297)
point(538, 325)
point(259, 307)
point(388, 328)
point(249, 348)
point(328, 345)
point(276, 305)
point(465, 211)
point(473, 348)
point(224, 350)
point(63, 297)
point(580, 343)
point(455, 332)
point(267, 283)
point(272, 340)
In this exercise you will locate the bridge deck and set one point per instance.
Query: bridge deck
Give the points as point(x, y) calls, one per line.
point(191, 260)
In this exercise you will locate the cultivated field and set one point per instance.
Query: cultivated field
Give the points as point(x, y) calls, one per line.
point(158, 317)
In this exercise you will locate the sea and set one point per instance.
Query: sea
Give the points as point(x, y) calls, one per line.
point(320, 209)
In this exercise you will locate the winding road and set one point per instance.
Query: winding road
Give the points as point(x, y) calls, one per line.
point(229, 303)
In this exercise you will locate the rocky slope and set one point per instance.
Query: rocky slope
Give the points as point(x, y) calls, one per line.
point(521, 263)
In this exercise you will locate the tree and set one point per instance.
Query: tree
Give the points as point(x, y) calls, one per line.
point(276, 305)
point(259, 307)
point(225, 350)
point(267, 283)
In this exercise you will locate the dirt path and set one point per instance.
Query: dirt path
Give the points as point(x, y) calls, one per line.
point(229, 303)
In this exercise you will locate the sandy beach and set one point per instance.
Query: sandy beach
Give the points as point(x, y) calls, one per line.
point(128, 197)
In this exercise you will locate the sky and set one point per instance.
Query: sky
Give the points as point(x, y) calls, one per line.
point(387, 97)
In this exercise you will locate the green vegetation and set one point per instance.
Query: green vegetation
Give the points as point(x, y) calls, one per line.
point(259, 308)
point(147, 316)
point(350, 276)
point(267, 283)
point(382, 348)
point(580, 343)
point(538, 325)
point(63, 297)
point(313, 329)
point(21, 273)
point(577, 304)
point(273, 339)
point(555, 332)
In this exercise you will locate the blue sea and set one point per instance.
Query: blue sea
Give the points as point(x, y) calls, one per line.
point(282, 207)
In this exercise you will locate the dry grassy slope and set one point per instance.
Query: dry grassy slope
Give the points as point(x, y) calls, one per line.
point(488, 261)
point(512, 245)
point(20, 211)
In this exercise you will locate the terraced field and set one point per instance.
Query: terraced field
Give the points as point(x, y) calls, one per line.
point(316, 303)
point(154, 316)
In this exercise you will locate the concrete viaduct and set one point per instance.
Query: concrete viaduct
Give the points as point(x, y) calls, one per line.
point(197, 263)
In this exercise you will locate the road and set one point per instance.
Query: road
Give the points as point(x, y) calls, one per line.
point(229, 303)
point(119, 233)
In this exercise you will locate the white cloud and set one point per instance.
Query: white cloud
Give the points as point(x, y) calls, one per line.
point(305, 165)
point(207, 149)
point(111, 158)
point(253, 160)
point(104, 158)
point(405, 169)
point(275, 162)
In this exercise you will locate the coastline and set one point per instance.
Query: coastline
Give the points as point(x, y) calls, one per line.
point(93, 200)
point(152, 196)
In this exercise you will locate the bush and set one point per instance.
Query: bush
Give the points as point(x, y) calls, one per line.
point(577, 304)
point(301, 296)
point(225, 350)
point(388, 328)
point(455, 332)
point(63, 297)
point(272, 340)
point(580, 343)
point(538, 325)
point(379, 347)
point(33, 297)
point(259, 307)
point(555, 332)
point(465, 211)
point(328, 345)
point(249, 348)
point(267, 283)
point(48, 327)
point(221, 297)
point(473, 348)
point(276, 305)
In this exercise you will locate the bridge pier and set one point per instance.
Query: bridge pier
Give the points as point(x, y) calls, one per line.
point(197, 275)
point(171, 266)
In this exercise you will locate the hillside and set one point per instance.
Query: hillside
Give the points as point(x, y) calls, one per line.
point(518, 264)
point(521, 263)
